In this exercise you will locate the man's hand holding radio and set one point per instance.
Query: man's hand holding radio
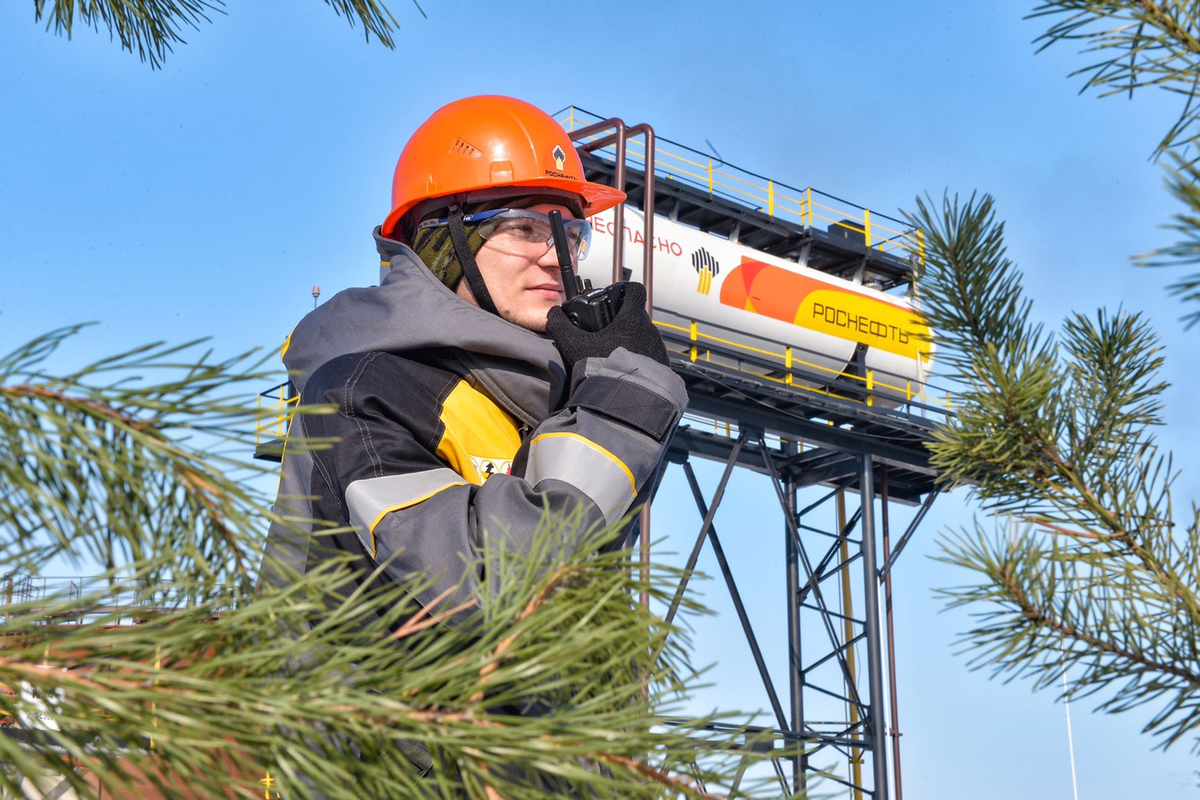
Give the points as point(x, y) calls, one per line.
point(628, 325)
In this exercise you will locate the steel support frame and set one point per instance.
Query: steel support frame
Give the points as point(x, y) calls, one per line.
point(819, 671)
point(866, 730)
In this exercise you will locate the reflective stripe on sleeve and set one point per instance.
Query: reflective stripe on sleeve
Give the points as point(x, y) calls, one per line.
point(585, 465)
point(371, 499)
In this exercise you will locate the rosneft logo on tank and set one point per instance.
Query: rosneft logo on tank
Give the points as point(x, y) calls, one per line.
point(798, 299)
point(707, 267)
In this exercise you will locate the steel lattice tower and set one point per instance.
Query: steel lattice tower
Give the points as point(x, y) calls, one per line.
point(862, 449)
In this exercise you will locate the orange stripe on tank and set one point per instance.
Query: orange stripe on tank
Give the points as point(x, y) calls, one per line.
point(768, 290)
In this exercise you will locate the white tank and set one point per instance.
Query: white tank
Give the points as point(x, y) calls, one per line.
point(768, 310)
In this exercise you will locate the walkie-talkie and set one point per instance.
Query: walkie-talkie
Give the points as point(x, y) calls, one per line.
point(590, 310)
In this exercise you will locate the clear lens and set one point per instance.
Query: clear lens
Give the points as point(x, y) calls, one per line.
point(528, 233)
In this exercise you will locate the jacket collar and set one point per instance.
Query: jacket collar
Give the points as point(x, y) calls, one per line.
point(412, 311)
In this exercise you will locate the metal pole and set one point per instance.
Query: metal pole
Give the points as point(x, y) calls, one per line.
point(795, 667)
point(876, 733)
point(893, 702)
point(644, 552)
point(736, 597)
point(617, 138)
point(648, 281)
point(856, 753)
point(619, 210)
point(647, 213)
point(708, 518)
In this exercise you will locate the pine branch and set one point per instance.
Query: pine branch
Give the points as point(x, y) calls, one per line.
point(173, 668)
point(1140, 43)
point(98, 470)
point(1183, 181)
point(152, 28)
point(297, 705)
point(1059, 432)
point(1147, 43)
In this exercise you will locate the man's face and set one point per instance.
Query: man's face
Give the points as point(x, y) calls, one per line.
point(523, 287)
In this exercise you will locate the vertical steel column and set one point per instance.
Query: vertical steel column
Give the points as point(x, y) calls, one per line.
point(619, 209)
point(854, 715)
point(648, 281)
point(893, 701)
point(876, 730)
point(647, 212)
point(795, 675)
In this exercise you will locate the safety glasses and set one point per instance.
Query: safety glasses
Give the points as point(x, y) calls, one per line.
point(519, 231)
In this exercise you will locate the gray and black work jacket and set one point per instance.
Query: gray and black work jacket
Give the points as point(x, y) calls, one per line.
point(454, 428)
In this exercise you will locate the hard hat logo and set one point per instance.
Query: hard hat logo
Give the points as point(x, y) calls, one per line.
point(559, 156)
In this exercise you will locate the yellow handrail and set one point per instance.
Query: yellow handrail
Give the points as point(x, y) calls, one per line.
point(871, 382)
point(273, 419)
point(767, 197)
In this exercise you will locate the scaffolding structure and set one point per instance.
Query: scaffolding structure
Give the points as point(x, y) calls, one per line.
point(858, 441)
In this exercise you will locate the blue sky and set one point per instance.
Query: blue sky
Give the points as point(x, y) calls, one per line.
point(207, 198)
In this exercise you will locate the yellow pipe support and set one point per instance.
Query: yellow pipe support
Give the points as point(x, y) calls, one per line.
point(870, 386)
point(693, 340)
point(787, 362)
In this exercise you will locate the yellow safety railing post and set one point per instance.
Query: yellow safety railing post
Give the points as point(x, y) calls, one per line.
point(867, 225)
point(710, 175)
point(282, 407)
point(870, 387)
point(921, 247)
point(808, 205)
point(787, 361)
point(694, 350)
point(268, 784)
point(771, 198)
point(572, 120)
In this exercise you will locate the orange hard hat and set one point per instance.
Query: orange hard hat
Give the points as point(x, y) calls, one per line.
point(491, 142)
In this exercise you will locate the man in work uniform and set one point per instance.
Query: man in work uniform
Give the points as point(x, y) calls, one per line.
point(467, 403)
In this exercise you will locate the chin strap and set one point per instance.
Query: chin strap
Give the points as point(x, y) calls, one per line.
point(471, 273)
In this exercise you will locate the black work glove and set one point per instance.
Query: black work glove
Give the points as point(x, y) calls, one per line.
point(630, 328)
